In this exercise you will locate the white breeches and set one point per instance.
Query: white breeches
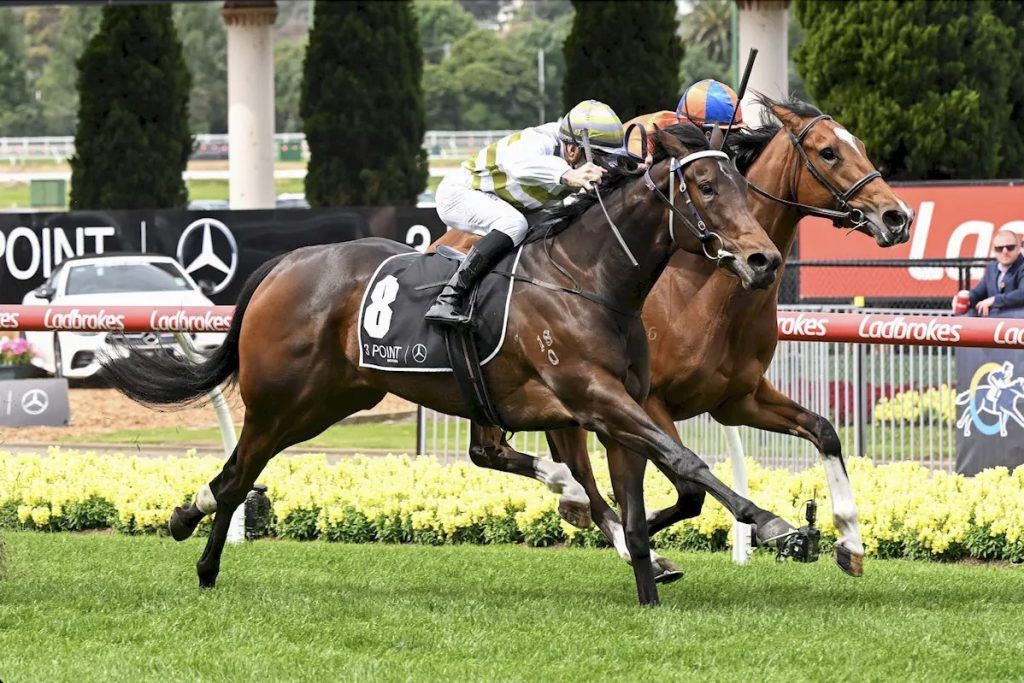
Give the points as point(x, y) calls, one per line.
point(463, 208)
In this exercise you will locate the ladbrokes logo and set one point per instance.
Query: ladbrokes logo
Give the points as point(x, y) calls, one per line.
point(906, 329)
point(74, 320)
point(803, 326)
point(8, 320)
point(185, 322)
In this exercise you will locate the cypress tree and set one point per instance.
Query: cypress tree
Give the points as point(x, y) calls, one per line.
point(362, 105)
point(624, 54)
point(132, 141)
point(925, 83)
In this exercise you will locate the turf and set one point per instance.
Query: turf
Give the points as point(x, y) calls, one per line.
point(116, 608)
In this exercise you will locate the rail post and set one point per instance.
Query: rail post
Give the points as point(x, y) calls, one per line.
point(421, 430)
point(740, 532)
point(859, 402)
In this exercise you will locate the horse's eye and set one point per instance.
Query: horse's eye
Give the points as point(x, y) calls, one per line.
point(828, 154)
point(707, 189)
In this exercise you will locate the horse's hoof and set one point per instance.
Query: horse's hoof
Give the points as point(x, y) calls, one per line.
point(575, 512)
point(668, 576)
point(207, 581)
point(774, 533)
point(183, 522)
point(849, 562)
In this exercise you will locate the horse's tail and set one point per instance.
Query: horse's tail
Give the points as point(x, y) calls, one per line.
point(162, 378)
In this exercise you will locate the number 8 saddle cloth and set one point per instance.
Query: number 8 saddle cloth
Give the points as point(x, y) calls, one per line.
point(393, 334)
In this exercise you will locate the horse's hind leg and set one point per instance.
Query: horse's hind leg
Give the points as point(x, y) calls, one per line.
point(489, 449)
point(262, 438)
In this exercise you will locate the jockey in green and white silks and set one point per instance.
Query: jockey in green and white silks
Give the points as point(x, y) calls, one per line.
point(523, 172)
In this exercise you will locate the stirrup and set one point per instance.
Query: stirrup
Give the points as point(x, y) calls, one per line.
point(443, 313)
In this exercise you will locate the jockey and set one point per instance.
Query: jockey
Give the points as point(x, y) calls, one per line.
point(521, 173)
point(706, 104)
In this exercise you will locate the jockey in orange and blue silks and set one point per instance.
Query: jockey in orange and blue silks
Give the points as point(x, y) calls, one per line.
point(706, 104)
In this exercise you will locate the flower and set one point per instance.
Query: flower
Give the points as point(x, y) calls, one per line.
point(15, 351)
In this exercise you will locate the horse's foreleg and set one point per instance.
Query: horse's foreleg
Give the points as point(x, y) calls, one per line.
point(614, 415)
point(488, 449)
point(627, 471)
point(570, 446)
point(690, 498)
point(769, 409)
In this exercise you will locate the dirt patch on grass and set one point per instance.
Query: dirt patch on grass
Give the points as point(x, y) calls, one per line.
point(101, 411)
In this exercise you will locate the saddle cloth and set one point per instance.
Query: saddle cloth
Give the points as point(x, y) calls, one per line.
point(394, 336)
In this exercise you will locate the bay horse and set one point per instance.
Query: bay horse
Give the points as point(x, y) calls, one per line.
point(712, 342)
point(293, 342)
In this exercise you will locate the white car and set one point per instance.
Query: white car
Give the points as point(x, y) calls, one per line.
point(113, 281)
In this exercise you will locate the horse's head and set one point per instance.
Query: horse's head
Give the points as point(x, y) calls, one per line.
point(832, 173)
point(712, 212)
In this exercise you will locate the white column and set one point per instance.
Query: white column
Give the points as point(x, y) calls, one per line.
point(764, 24)
point(251, 102)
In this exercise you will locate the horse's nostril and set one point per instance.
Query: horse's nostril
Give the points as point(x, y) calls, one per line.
point(895, 219)
point(761, 262)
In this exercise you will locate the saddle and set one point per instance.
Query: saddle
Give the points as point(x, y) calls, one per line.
point(395, 337)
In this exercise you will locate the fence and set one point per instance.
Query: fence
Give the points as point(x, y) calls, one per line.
point(816, 282)
point(886, 381)
point(857, 367)
point(440, 145)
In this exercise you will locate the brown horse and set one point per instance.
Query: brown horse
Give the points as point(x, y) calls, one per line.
point(293, 343)
point(712, 342)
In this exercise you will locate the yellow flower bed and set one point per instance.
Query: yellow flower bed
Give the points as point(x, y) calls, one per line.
point(905, 510)
point(936, 405)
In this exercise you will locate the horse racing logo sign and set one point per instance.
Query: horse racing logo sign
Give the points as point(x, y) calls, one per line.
point(996, 397)
point(990, 415)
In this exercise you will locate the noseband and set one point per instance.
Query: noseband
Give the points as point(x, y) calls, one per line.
point(846, 215)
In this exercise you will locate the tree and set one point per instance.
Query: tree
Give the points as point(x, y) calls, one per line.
point(17, 109)
point(622, 55)
point(288, 56)
point(1012, 15)
point(362, 105)
point(441, 23)
point(924, 83)
point(483, 85)
point(56, 38)
point(132, 140)
point(205, 44)
point(709, 26)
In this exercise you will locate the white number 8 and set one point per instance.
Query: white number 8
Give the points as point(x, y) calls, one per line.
point(377, 319)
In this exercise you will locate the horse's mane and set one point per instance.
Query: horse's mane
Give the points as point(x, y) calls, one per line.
point(554, 220)
point(746, 144)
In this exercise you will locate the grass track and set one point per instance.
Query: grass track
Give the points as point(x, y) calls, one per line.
point(113, 608)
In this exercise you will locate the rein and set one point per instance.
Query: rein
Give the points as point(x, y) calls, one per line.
point(853, 218)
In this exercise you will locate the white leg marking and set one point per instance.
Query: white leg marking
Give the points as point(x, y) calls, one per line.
point(557, 477)
point(844, 510)
point(205, 500)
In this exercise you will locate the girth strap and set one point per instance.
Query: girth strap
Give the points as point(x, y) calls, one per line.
point(590, 296)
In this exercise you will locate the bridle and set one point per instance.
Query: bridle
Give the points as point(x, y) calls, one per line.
point(694, 223)
point(846, 216)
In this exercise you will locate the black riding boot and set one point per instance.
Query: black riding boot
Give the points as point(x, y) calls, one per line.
point(485, 254)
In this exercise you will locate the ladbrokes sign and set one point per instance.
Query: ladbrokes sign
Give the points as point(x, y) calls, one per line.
point(953, 221)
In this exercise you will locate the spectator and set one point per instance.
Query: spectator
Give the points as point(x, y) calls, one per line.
point(1001, 290)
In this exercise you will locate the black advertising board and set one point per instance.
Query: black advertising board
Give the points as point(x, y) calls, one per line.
point(221, 247)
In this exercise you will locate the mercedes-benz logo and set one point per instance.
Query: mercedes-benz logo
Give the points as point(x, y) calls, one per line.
point(208, 254)
point(34, 401)
point(419, 353)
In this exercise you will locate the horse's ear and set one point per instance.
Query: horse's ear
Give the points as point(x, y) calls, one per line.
point(788, 118)
point(717, 138)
